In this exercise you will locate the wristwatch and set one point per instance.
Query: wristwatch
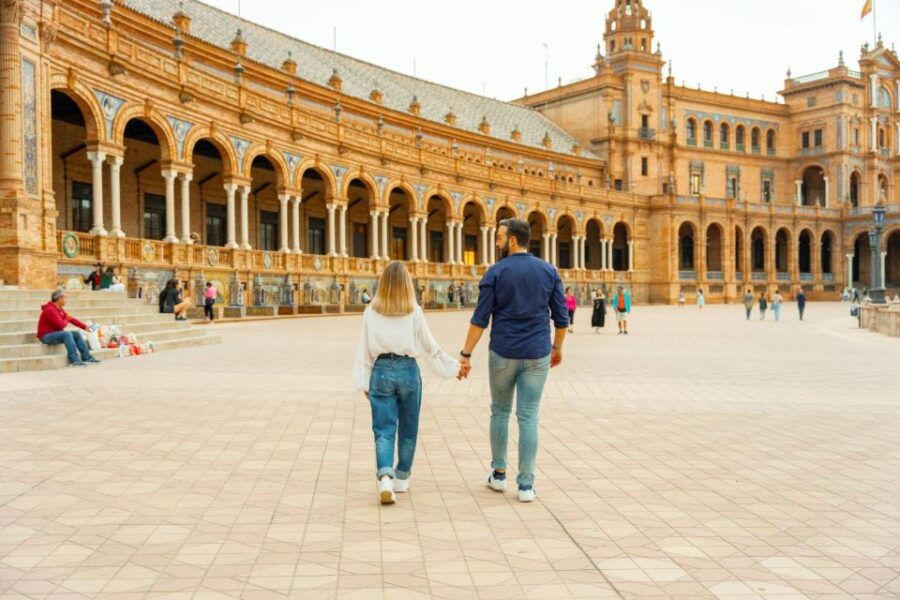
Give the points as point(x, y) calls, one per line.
point(464, 355)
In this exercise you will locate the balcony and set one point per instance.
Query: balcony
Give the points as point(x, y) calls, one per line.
point(724, 146)
point(782, 276)
point(707, 143)
point(770, 151)
point(828, 277)
point(647, 134)
point(806, 277)
point(691, 141)
point(815, 150)
point(740, 147)
point(738, 275)
point(687, 275)
point(755, 149)
point(758, 276)
point(715, 275)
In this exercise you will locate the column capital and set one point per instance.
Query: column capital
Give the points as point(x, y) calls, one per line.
point(244, 189)
point(96, 157)
point(169, 174)
point(115, 160)
point(330, 207)
point(230, 188)
point(187, 177)
point(283, 198)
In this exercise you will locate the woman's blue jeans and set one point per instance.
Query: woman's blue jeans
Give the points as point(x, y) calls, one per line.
point(395, 394)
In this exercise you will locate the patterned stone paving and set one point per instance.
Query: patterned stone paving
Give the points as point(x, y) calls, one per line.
point(702, 456)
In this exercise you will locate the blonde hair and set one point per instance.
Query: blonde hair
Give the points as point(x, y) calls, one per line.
point(395, 295)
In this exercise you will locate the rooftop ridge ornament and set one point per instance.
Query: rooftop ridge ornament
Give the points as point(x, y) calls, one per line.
point(547, 142)
point(450, 118)
point(516, 135)
point(239, 69)
point(238, 45)
point(376, 96)
point(414, 106)
point(484, 127)
point(337, 110)
point(335, 82)
point(181, 19)
point(841, 58)
point(178, 42)
point(289, 65)
point(106, 6)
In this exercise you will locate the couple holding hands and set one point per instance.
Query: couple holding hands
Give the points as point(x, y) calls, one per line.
point(519, 297)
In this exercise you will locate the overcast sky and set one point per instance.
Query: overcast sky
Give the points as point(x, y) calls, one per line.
point(496, 47)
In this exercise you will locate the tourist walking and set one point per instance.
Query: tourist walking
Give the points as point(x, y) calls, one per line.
point(801, 302)
point(701, 300)
point(519, 297)
point(394, 333)
point(598, 316)
point(209, 301)
point(763, 305)
point(571, 305)
point(748, 303)
point(777, 299)
point(51, 331)
point(621, 303)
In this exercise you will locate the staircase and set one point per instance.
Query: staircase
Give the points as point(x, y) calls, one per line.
point(19, 311)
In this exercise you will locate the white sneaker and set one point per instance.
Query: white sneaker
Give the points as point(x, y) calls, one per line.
point(401, 486)
point(527, 495)
point(386, 490)
point(498, 485)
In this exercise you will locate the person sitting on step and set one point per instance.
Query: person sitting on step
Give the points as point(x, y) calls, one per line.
point(51, 331)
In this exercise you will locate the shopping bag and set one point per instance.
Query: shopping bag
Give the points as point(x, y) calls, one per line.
point(92, 339)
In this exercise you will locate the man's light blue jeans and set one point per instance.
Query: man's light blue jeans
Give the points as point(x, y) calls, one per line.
point(526, 378)
point(395, 393)
point(76, 349)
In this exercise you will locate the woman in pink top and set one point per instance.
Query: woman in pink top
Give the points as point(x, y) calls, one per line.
point(209, 300)
point(571, 305)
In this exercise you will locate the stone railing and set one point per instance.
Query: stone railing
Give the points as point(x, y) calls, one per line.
point(882, 318)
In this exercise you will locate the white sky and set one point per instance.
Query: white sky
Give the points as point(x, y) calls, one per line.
point(496, 46)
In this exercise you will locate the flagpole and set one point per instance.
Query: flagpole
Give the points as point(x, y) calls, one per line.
point(874, 26)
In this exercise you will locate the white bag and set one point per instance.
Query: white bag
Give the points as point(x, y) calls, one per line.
point(92, 339)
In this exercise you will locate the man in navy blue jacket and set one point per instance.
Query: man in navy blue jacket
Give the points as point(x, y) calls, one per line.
point(519, 296)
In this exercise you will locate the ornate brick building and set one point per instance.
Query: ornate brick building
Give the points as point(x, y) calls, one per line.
point(167, 137)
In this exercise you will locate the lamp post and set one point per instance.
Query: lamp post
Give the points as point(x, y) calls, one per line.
point(876, 287)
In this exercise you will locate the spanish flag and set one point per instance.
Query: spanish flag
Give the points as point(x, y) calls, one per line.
point(867, 8)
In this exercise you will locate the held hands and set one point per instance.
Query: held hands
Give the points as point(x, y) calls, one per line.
point(465, 367)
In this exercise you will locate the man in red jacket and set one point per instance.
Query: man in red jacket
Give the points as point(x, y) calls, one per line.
point(51, 330)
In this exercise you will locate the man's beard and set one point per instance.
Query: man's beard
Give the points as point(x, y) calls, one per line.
point(504, 250)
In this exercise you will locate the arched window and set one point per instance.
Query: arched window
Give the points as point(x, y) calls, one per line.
point(739, 138)
point(724, 136)
point(884, 98)
point(754, 139)
point(708, 134)
point(854, 189)
point(881, 137)
point(691, 132)
point(770, 142)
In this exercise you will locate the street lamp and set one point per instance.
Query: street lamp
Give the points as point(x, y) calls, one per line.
point(876, 289)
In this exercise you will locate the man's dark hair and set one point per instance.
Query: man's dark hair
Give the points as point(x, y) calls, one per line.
point(518, 229)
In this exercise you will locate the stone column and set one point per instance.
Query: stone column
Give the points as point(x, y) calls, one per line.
point(460, 248)
point(545, 248)
point(603, 255)
point(385, 238)
point(584, 253)
point(897, 136)
point(295, 222)
point(492, 244)
point(186, 207)
point(97, 158)
point(849, 271)
point(554, 249)
point(373, 241)
point(414, 239)
point(631, 256)
point(423, 239)
point(330, 230)
point(799, 186)
point(115, 195)
point(343, 224)
point(482, 245)
point(827, 189)
point(245, 217)
point(283, 222)
point(883, 283)
point(230, 189)
point(873, 134)
point(451, 237)
point(169, 175)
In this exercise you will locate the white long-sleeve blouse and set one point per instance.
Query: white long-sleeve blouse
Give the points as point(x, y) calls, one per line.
point(406, 335)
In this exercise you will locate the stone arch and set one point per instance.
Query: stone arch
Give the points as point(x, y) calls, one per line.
point(407, 188)
point(740, 137)
point(87, 102)
point(828, 251)
point(759, 245)
point(361, 175)
point(805, 243)
point(539, 226)
point(892, 259)
point(326, 174)
point(566, 230)
point(474, 198)
point(593, 233)
point(714, 238)
point(739, 245)
point(688, 234)
point(855, 187)
point(861, 257)
point(621, 234)
point(813, 185)
point(784, 244)
point(154, 119)
point(508, 210)
point(282, 172)
point(203, 132)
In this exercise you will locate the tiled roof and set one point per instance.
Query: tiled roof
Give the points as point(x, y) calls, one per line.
point(359, 78)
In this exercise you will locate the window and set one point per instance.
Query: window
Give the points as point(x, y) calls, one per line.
point(754, 139)
point(739, 138)
point(695, 184)
point(770, 142)
point(470, 251)
point(691, 132)
point(856, 136)
point(398, 243)
point(805, 136)
point(612, 46)
point(818, 137)
point(767, 191)
point(731, 187)
point(618, 185)
point(645, 121)
point(436, 246)
point(708, 134)
point(881, 143)
point(216, 216)
point(723, 136)
point(154, 216)
point(884, 98)
point(645, 167)
point(268, 230)
point(643, 45)
point(360, 240)
point(315, 239)
point(82, 204)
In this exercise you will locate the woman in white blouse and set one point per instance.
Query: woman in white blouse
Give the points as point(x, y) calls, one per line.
point(394, 334)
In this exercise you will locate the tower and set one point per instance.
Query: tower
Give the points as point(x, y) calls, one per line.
point(628, 28)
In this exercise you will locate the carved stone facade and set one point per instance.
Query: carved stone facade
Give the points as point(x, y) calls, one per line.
point(142, 145)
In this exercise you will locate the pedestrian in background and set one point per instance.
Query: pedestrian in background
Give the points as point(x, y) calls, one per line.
point(748, 303)
point(801, 302)
point(777, 299)
point(763, 305)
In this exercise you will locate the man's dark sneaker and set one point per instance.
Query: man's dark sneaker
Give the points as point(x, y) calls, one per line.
point(92, 361)
point(78, 364)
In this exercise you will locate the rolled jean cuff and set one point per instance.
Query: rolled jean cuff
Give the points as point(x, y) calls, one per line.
point(404, 475)
point(496, 464)
point(386, 471)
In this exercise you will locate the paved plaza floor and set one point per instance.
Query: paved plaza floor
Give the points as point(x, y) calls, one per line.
point(702, 456)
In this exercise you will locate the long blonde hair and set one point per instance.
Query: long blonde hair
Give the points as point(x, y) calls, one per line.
point(395, 295)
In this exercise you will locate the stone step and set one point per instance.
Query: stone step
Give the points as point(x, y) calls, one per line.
point(38, 349)
point(75, 303)
point(93, 312)
point(154, 317)
point(29, 335)
point(45, 294)
point(58, 361)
